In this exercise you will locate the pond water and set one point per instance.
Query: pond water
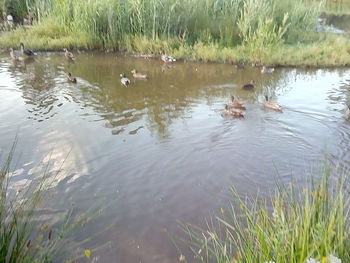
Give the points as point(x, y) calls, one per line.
point(158, 152)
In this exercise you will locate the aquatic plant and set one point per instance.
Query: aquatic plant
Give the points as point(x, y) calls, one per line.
point(23, 237)
point(309, 225)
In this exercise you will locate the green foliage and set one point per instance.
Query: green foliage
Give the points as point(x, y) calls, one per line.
point(291, 228)
point(223, 22)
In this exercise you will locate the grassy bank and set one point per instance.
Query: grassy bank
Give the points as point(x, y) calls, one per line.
point(269, 32)
point(293, 227)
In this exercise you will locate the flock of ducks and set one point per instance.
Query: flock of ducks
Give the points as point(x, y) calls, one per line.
point(234, 109)
point(139, 75)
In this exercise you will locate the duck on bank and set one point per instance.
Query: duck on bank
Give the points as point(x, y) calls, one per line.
point(26, 52)
point(13, 55)
point(69, 55)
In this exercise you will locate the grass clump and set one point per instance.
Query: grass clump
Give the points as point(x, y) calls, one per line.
point(296, 226)
point(24, 236)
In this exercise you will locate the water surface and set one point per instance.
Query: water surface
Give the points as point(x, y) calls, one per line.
point(158, 152)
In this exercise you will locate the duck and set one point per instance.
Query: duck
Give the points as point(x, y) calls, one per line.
point(68, 55)
point(272, 105)
point(13, 55)
point(235, 104)
point(248, 86)
point(70, 78)
point(138, 75)
point(267, 70)
point(124, 80)
point(165, 58)
point(26, 52)
point(239, 66)
point(232, 112)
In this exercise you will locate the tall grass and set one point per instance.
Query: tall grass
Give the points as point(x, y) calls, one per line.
point(290, 228)
point(224, 22)
point(23, 237)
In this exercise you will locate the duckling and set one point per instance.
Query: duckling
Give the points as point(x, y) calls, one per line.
point(13, 55)
point(165, 58)
point(232, 113)
point(138, 75)
point(124, 80)
point(271, 105)
point(267, 70)
point(26, 52)
point(68, 55)
point(236, 105)
point(70, 78)
point(248, 86)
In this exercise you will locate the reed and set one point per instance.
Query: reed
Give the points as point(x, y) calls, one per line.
point(292, 227)
point(225, 22)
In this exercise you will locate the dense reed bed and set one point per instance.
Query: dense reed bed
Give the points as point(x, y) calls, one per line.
point(209, 30)
point(294, 226)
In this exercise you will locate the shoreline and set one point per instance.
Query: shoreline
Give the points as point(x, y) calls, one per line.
point(329, 51)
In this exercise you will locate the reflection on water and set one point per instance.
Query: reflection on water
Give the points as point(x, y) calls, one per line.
point(159, 151)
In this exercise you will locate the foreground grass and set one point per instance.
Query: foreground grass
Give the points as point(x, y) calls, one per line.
point(296, 227)
point(24, 237)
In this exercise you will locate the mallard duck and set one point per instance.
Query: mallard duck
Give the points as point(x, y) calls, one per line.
point(167, 58)
point(138, 75)
point(235, 104)
point(239, 66)
point(13, 55)
point(232, 112)
point(26, 52)
point(70, 78)
point(248, 85)
point(124, 80)
point(267, 70)
point(68, 55)
point(271, 105)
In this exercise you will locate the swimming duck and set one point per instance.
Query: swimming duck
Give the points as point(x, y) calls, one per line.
point(26, 52)
point(124, 80)
point(70, 78)
point(248, 85)
point(236, 105)
point(267, 70)
point(138, 75)
point(232, 112)
point(13, 55)
point(68, 55)
point(271, 105)
point(167, 58)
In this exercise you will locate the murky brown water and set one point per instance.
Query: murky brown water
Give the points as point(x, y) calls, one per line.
point(159, 152)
